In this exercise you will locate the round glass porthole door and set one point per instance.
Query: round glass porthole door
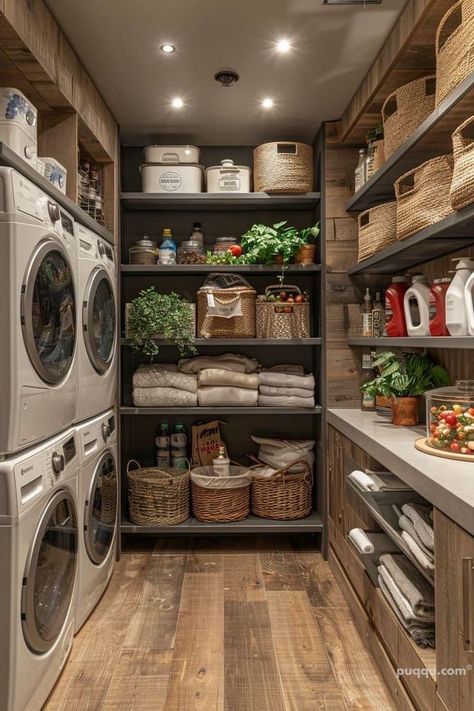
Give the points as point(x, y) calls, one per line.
point(100, 513)
point(98, 320)
point(50, 573)
point(48, 312)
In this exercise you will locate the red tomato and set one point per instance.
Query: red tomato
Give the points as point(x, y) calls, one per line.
point(471, 411)
point(235, 250)
point(454, 447)
point(451, 420)
point(299, 299)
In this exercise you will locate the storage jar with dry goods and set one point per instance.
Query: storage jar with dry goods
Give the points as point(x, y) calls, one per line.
point(144, 251)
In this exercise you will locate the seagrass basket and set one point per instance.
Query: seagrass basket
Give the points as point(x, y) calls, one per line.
point(282, 496)
point(283, 168)
point(226, 307)
point(280, 319)
point(220, 499)
point(405, 109)
point(423, 195)
point(377, 229)
point(157, 496)
point(462, 185)
point(454, 48)
point(105, 507)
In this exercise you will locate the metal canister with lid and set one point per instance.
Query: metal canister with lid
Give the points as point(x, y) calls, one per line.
point(222, 244)
point(144, 251)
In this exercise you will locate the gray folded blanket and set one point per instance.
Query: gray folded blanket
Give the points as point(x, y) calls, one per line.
point(227, 361)
point(163, 397)
point(289, 392)
point(407, 526)
point(426, 561)
point(218, 396)
point(421, 518)
point(403, 604)
point(422, 634)
point(163, 375)
point(285, 401)
point(411, 583)
point(286, 380)
point(228, 378)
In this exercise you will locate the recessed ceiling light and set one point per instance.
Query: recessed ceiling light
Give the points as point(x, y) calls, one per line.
point(168, 48)
point(177, 103)
point(283, 46)
point(267, 103)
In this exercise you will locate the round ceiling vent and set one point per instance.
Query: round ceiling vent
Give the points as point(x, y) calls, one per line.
point(226, 77)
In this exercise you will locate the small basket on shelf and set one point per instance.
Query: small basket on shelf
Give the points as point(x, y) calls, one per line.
point(377, 229)
point(157, 496)
point(220, 499)
point(282, 496)
point(280, 319)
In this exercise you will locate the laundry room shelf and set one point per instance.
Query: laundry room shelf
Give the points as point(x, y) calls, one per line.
point(10, 159)
point(188, 269)
point(219, 201)
point(250, 342)
point(461, 343)
point(128, 410)
point(252, 524)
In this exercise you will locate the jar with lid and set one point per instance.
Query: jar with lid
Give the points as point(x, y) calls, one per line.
point(191, 252)
point(450, 420)
point(197, 235)
point(144, 251)
point(222, 244)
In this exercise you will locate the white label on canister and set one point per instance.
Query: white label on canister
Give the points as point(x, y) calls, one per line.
point(229, 183)
point(170, 181)
point(211, 302)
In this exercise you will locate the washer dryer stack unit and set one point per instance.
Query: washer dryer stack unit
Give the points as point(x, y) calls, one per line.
point(37, 315)
point(97, 497)
point(39, 554)
point(18, 124)
point(97, 347)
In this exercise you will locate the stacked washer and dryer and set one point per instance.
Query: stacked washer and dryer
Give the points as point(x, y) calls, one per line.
point(58, 443)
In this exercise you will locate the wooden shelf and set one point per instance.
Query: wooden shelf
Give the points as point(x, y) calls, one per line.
point(453, 233)
point(10, 159)
point(252, 524)
point(188, 269)
point(219, 201)
point(250, 342)
point(458, 343)
point(432, 138)
point(170, 411)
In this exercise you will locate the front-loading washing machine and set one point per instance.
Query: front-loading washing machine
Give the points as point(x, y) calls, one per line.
point(97, 347)
point(97, 507)
point(38, 323)
point(39, 554)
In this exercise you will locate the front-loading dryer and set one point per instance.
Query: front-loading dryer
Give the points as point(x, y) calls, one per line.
point(39, 554)
point(38, 309)
point(97, 346)
point(97, 506)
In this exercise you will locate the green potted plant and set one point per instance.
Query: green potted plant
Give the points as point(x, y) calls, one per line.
point(375, 149)
point(277, 244)
point(152, 315)
point(307, 253)
point(404, 379)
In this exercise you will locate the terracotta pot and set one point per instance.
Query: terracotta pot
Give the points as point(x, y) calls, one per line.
point(306, 254)
point(405, 411)
point(278, 259)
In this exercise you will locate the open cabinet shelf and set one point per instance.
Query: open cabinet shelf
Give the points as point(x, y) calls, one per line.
point(264, 269)
point(247, 342)
point(130, 410)
point(457, 343)
point(218, 201)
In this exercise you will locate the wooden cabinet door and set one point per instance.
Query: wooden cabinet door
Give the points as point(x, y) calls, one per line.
point(336, 477)
point(454, 597)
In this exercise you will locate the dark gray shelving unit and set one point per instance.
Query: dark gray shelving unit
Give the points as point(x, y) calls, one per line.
point(247, 342)
point(197, 411)
point(216, 201)
point(457, 343)
point(188, 269)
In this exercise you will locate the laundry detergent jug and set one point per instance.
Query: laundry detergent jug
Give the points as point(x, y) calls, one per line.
point(438, 307)
point(395, 323)
point(416, 303)
point(456, 316)
point(469, 299)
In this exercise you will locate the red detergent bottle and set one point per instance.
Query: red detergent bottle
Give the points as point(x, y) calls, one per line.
point(438, 307)
point(395, 324)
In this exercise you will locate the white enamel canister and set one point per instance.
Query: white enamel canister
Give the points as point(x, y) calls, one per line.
point(159, 178)
point(54, 172)
point(174, 155)
point(228, 178)
point(18, 124)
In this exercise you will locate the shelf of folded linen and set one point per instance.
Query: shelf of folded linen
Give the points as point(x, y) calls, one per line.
point(285, 386)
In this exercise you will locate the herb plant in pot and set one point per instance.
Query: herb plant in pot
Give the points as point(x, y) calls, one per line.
point(404, 379)
point(307, 253)
point(278, 244)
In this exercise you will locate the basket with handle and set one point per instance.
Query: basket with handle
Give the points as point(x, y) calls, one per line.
point(462, 185)
point(220, 499)
point(454, 48)
point(282, 495)
point(226, 307)
point(423, 195)
point(280, 319)
point(377, 229)
point(283, 167)
point(157, 496)
point(405, 109)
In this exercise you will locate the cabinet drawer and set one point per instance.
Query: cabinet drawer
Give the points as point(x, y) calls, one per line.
point(352, 566)
point(384, 622)
point(422, 688)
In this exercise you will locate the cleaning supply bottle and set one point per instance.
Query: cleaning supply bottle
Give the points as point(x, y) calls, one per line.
point(456, 316)
point(221, 465)
point(395, 323)
point(416, 304)
point(378, 317)
point(367, 315)
point(167, 251)
point(360, 177)
point(469, 299)
point(438, 307)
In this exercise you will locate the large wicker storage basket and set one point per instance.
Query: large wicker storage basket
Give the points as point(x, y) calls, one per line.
point(157, 497)
point(283, 168)
point(462, 186)
point(235, 303)
point(454, 48)
point(405, 109)
point(220, 499)
point(282, 496)
point(423, 195)
point(377, 229)
point(280, 319)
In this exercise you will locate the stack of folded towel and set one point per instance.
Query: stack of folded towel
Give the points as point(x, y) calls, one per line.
point(227, 361)
point(416, 523)
point(162, 385)
point(228, 380)
point(410, 596)
point(285, 386)
point(378, 481)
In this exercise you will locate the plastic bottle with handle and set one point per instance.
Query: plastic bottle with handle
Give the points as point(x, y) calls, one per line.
point(416, 303)
point(456, 312)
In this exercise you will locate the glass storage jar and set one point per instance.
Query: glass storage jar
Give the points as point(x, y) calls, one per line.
point(144, 251)
point(191, 252)
point(222, 244)
point(450, 418)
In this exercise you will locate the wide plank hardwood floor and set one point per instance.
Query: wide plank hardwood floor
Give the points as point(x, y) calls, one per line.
point(235, 624)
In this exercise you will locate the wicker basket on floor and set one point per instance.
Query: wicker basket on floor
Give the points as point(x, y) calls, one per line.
point(405, 109)
point(454, 48)
point(462, 186)
point(377, 229)
point(157, 496)
point(423, 195)
point(217, 499)
point(282, 496)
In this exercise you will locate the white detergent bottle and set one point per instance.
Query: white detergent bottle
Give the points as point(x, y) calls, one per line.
point(456, 315)
point(416, 304)
point(469, 299)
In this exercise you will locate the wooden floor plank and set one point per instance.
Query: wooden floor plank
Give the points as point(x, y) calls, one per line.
point(243, 579)
point(139, 682)
point(320, 584)
point(279, 568)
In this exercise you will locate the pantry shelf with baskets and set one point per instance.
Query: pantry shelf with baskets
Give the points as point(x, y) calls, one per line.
point(216, 201)
point(250, 342)
point(168, 269)
point(457, 343)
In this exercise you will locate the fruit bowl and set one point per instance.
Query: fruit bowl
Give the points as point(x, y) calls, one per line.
point(450, 421)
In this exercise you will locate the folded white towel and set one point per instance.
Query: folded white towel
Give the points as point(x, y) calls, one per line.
point(286, 368)
point(219, 396)
point(228, 378)
point(406, 525)
point(163, 397)
point(285, 401)
point(286, 380)
point(227, 361)
point(363, 480)
point(361, 541)
point(425, 561)
point(163, 375)
point(290, 392)
point(421, 517)
point(402, 602)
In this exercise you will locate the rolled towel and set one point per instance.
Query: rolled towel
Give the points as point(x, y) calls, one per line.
point(421, 517)
point(363, 480)
point(218, 396)
point(418, 553)
point(361, 541)
point(163, 375)
point(290, 392)
point(163, 397)
point(227, 361)
point(286, 380)
point(285, 401)
point(227, 378)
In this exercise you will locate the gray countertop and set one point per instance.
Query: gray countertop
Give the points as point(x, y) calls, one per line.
point(446, 483)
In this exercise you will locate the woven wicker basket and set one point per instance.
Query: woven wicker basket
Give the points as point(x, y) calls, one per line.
point(377, 229)
point(108, 509)
point(157, 497)
point(283, 168)
point(282, 496)
point(454, 48)
point(462, 186)
point(240, 298)
point(220, 504)
point(423, 195)
point(281, 320)
point(406, 109)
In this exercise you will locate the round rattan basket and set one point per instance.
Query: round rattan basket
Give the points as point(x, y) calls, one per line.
point(282, 496)
point(405, 109)
point(454, 48)
point(377, 229)
point(283, 168)
point(462, 186)
point(156, 496)
point(218, 499)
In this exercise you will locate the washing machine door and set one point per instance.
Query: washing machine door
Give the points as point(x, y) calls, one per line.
point(50, 574)
point(48, 312)
point(98, 320)
point(100, 510)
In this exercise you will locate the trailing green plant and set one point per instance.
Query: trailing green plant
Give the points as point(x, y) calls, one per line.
point(263, 244)
point(405, 375)
point(375, 134)
point(168, 316)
